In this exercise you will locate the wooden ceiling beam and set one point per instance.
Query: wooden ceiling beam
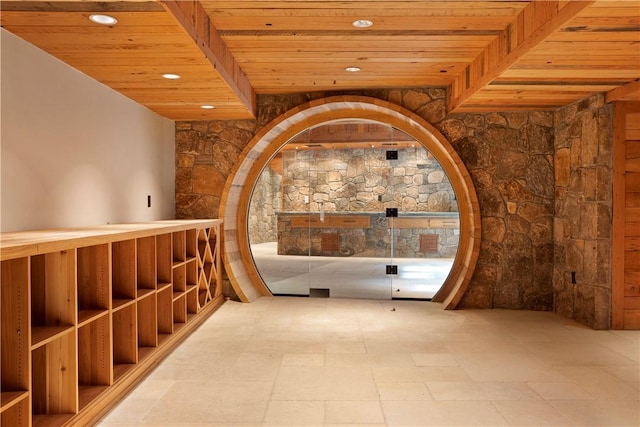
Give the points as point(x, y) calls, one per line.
point(532, 26)
point(193, 18)
point(630, 91)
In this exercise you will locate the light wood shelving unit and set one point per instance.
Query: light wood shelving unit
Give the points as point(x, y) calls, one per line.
point(86, 313)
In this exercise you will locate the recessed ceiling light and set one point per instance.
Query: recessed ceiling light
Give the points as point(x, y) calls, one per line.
point(352, 69)
point(103, 19)
point(207, 107)
point(171, 76)
point(362, 23)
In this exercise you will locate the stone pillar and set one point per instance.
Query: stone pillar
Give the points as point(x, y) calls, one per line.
point(582, 226)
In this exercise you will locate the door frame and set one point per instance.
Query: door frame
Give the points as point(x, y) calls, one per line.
point(234, 207)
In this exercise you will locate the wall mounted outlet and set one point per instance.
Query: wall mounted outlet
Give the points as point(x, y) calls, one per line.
point(149, 201)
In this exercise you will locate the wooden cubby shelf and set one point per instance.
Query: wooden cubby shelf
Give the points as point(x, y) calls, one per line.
point(88, 316)
point(43, 335)
point(86, 313)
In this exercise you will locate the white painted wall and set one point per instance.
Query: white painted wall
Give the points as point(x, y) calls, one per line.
point(73, 151)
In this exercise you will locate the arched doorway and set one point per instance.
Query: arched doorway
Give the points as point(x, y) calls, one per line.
point(345, 201)
point(235, 201)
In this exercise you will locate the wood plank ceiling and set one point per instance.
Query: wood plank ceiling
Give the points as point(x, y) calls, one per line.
point(503, 55)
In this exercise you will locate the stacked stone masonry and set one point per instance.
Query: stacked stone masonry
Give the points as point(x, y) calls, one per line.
point(362, 180)
point(379, 239)
point(583, 206)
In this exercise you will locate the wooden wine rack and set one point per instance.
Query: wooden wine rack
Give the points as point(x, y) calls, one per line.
point(86, 313)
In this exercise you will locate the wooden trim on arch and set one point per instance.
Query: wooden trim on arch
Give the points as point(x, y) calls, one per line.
point(239, 265)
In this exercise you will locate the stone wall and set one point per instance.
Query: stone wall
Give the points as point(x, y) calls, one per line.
point(583, 229)
point(374, 240)
point(510, 157)
point(356, 180)
point(265, 202)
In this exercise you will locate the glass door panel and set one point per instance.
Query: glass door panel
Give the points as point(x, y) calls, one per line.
point(425, 232)
point(278, 224)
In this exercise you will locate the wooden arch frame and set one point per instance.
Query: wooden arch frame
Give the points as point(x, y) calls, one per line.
point(234, 206)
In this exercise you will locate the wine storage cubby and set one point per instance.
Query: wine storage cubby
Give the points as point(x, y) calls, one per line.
point(87, 312)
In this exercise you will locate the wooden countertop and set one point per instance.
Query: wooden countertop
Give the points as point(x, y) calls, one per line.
point(33, 242)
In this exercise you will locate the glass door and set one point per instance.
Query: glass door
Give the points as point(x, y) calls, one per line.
point(278, 225)
point(348, 241)
point(353, 210)
point(423, 224)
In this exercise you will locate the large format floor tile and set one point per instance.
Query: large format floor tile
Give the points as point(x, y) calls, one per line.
point(289, 361)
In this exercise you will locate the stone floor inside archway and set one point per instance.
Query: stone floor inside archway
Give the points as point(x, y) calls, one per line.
point(350, 277)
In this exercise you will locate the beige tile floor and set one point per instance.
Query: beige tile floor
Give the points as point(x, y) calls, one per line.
point(288, 361)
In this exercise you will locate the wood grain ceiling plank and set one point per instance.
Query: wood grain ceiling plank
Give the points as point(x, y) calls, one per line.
point(149, 41)
point(557, 96)
point(130, 49)
point(429, 57)
point(594, 36)
point(146, 81)
point(120, 51)
point(188, 72)
point(193, 95)
point(596, 73)
point(344, 42)
point(81, 31)
point(509, 7)
point(566, 55)
point(46, 19)
point(110, 6)
point(372, 68)
point(533, 25)
point(567, 87)
point(626, 22)
point(412, 21)
point(170, 60)
point(200, 114)
point(557, 63)
point(450, 59)
point(613, 4)
point(196, 22)
point(285, 86)
point(453, 5)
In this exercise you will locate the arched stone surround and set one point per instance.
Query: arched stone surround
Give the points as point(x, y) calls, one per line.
point(266, 143)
